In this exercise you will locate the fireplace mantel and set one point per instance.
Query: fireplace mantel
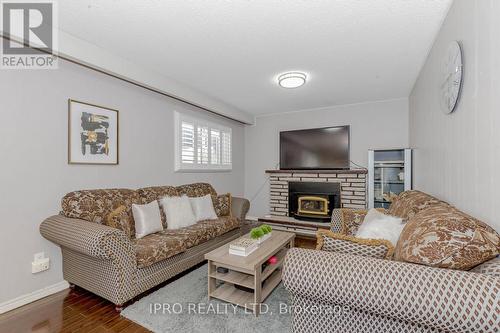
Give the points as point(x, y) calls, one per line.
point(338, 171)
point(352, 182)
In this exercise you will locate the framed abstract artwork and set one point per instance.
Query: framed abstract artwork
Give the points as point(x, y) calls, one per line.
point(92, 134)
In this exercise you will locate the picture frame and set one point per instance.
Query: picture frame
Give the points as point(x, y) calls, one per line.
point(93, 134)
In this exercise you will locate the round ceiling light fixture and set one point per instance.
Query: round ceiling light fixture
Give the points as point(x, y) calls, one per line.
point(292, 79)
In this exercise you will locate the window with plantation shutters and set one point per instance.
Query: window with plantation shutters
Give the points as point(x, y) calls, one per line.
point(201, 145)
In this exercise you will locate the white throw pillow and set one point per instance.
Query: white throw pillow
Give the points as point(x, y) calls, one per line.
point(377, 225)
point(203, 208)
point(147, 219)
point(178, 212)
point(373, 214)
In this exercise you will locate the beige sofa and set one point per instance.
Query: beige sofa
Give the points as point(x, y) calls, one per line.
point(95, 231)
point(342, 292)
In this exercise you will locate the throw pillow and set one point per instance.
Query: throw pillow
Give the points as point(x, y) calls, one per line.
point(178, 211)
point(333, 242)
point(377, 225)
point(442, 236)
point(351, 219)
point(222, 205)
point(121, 218)
point(147, 219)
point(373, 214)
point(409, 203)
point(203, 208)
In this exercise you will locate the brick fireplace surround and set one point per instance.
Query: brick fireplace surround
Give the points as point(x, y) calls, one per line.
point(352, 182)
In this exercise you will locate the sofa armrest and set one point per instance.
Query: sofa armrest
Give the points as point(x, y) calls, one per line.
point(490, 267)
point(92, 239)
point(347, 221)
point(448, 300)
point(239, 207)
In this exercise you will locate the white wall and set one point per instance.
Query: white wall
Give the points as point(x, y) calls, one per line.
point(457, 156)
point(34, 174)
point(373, 125)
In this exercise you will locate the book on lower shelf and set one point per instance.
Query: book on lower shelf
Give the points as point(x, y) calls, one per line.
point(243, 247)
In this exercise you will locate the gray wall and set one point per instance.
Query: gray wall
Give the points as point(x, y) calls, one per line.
point(34, 172)
point(457, 156)
point(373, 125)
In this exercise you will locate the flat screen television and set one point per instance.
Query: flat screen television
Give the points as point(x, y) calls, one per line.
point(318, 148)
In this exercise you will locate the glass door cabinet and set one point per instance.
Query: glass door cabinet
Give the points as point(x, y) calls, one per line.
point(389, 173)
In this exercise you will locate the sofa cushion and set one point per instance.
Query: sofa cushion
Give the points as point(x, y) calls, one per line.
point(205, 230)
point(409, 203)
point(149, 194)
point(160, 246)
point(222, 205)
point(197, 190)
point(219, 226)
point(442, 236)
point(97, 205)
point(167, 243)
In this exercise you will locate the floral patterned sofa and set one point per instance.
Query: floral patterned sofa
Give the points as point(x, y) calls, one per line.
point(433, 282)
point(96, 233)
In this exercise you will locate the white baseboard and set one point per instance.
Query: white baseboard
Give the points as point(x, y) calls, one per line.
point(251, 218)
point(31, 297)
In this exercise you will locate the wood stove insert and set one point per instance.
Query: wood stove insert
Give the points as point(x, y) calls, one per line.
point(313, 201)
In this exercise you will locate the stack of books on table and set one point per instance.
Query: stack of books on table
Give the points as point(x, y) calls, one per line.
point(243, 247)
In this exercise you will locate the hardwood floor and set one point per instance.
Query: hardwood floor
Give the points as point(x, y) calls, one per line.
point(79, 311)
point(71, 310)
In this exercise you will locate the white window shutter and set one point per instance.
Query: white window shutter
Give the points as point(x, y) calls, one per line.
point(187, 143)
point(215, 146)
point(226, 148)
point(202, 147)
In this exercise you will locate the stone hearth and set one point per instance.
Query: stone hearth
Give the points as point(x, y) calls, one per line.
point(352, 182)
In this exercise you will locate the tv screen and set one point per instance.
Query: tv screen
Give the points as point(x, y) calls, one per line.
point(319, 148)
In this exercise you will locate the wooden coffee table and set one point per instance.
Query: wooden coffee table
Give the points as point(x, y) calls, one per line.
point(248, 272)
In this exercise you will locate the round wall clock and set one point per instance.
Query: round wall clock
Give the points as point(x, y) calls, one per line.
point(452, 78)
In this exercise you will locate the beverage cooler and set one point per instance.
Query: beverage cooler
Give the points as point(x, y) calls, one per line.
point(389, 173)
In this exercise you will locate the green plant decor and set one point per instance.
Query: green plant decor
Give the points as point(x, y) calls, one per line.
point(258, 232)
point(267, 229)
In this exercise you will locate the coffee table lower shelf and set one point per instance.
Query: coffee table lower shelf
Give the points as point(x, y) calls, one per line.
point(248, 272)
point(229, 293)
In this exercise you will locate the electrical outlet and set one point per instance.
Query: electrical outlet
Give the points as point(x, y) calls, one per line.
point(40, 265)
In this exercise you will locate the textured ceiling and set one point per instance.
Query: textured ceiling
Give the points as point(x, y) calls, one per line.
point(353, 50)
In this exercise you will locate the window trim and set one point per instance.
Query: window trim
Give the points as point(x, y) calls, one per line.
point(185, 167)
